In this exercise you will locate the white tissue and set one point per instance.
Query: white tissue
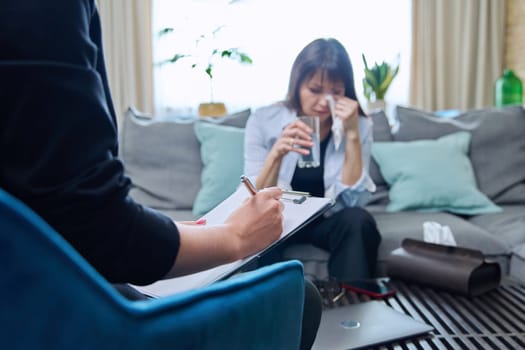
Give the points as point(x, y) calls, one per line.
point(337, 124)
point(433, 232)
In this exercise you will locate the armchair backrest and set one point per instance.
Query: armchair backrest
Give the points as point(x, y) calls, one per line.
point(51, 298)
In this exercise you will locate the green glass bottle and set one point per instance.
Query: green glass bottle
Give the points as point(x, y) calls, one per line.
point(508, 89)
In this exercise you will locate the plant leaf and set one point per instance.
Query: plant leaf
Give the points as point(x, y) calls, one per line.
point(367, 89)
point(384, 85)
point(209, 70)
point(245, 58)
point(377, 75)
point(218, 29)
point(237, 55)
point(371, 79)
point(364, 61)
point(175, 58)
point(226, 53)
point(394, 73)
point(377, 79)
point(383, 70)
point(165, 31)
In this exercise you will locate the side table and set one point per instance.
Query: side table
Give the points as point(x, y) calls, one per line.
point(494, 320)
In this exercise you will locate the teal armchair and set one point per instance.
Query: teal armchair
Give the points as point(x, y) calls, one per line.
point(51, 298)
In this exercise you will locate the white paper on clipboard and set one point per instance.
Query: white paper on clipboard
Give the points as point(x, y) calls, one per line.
point(295, 216)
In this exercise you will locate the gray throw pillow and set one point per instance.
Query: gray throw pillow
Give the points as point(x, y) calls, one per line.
point(497, 150)
point(381, 133)
point(237, 119)
point(163, 158)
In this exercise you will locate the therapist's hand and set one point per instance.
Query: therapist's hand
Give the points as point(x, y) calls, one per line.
point(257, 223)
point(252, 227)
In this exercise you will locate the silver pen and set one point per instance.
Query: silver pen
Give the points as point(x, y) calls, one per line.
point(253, 190)
point(297, 193)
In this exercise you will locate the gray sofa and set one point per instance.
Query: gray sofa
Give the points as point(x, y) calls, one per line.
point(163, 159)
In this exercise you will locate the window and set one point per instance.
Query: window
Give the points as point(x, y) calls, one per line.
point(272, 32)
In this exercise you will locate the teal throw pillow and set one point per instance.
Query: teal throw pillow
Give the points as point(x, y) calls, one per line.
point(431, 175)
point(222, 154)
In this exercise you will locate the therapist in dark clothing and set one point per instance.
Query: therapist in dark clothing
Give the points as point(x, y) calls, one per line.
point(58, 154)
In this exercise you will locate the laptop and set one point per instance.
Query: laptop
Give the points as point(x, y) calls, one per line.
point(364, 325)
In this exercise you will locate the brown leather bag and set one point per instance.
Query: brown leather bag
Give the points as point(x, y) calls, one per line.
point(455, 269)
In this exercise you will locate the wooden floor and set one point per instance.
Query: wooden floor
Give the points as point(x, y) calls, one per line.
point(494, 320)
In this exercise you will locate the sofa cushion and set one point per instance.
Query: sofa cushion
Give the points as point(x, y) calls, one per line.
point(162, 160)
point(381, 133)
point(381, 127)
point(509, 225)
point(237, 119)
point(431, 175)
point(222, 149)
point(517, 262)
point(497, 149)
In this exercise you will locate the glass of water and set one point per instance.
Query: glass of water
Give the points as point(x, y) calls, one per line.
point(313, 159)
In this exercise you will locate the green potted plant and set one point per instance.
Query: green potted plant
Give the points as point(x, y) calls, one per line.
point(206, 63)
point(376, 82)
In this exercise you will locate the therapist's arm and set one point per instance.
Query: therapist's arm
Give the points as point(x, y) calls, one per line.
point(255, 225)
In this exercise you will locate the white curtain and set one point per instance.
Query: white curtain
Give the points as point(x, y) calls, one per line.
point(127, 40)
point(515, 38)
point(457, 52)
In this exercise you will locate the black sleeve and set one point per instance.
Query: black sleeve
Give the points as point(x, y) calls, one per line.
point(58, 135)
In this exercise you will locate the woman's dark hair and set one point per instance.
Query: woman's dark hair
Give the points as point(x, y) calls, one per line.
point(327, 56)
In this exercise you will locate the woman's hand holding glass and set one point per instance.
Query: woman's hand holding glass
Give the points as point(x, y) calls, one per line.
point(294, 138)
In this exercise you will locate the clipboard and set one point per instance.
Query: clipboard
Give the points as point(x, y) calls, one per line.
point(296, 215)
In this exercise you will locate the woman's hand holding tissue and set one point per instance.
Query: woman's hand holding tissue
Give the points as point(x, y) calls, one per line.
point(347, 110)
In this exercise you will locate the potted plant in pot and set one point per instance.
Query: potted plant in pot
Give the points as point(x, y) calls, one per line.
point(204, 59)
point(376, 82)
